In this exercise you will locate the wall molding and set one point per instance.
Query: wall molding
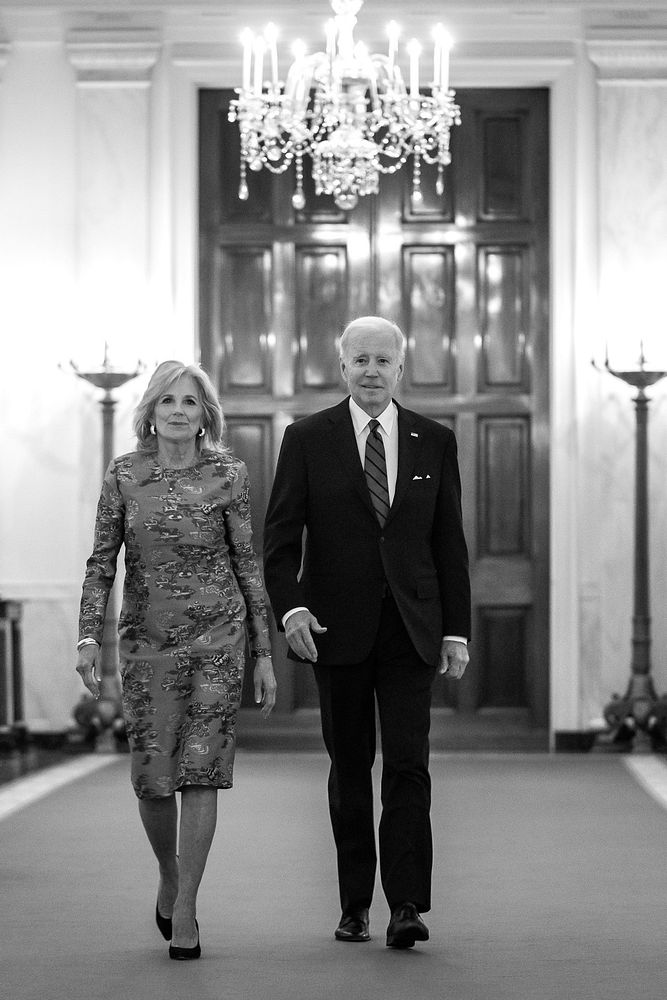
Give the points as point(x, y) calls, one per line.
point(630, 58)
point(116, 57)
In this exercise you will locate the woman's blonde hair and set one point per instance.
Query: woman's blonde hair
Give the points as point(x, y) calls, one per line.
point(164, 376)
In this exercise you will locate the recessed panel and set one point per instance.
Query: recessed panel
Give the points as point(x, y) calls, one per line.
point(428, 290)
point(244, 303)
point(321, 281)
point(432, 207)
point(502, 642)
point(257, 207)
point(504, 499)
point(502, 178)
point(250, 439)
point(503, 318)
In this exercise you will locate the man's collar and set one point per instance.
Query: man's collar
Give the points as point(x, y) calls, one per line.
point(360, 418)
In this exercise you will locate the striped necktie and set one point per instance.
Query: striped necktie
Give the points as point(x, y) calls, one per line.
point(375, 468)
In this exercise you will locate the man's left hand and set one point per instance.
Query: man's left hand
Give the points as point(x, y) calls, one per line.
point(453, 659)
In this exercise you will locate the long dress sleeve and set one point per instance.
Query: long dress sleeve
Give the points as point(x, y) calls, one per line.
point(244, 563)
point(101, 566)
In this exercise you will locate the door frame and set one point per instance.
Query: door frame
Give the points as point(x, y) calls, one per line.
point(572, 210)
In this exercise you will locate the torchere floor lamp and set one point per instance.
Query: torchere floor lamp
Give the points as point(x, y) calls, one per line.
point(637, 720)
point(102, 716)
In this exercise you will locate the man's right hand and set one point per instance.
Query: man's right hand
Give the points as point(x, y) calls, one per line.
point(298, 632)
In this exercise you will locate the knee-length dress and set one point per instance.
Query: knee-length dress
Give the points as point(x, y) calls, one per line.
point(192, 587)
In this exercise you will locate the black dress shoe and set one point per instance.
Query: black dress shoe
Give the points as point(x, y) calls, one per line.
point(185, 954)
point(405, 927)
point(353, 926)
point(163, 923)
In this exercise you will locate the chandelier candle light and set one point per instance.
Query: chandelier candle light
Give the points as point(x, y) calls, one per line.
point(349, 110)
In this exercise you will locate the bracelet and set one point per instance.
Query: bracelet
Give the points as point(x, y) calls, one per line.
point(261, 652)
point(86, 642)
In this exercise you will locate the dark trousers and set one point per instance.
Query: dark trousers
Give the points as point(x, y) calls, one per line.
point(401, 682)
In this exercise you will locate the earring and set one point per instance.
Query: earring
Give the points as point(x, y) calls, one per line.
point(201, 432)
point(152, 428)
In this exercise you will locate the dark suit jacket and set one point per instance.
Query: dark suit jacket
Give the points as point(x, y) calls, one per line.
point(338, 570)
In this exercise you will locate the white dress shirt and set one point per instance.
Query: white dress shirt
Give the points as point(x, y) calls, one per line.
point(388, 421)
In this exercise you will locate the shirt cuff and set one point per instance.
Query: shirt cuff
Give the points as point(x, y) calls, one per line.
point(456, 638)
point(288, 614)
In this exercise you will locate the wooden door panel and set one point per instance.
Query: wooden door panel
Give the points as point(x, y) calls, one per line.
point(502, 668)
point(504, 318)
point(505, 172)
point(465, 275)
point(428, 288)
point(504, 501)
point(321, 307)
point(251, 438)
point(242, 319)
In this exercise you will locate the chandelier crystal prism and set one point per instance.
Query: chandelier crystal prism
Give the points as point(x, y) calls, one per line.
point(350, 111)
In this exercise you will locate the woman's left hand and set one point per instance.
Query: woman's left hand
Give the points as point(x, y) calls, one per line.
point(265, 685)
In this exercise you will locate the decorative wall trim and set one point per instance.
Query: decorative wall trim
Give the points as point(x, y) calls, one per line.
point(638, 58)
point(117, 57)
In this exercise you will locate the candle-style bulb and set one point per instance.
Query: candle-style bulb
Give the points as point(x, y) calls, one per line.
point(393, 31)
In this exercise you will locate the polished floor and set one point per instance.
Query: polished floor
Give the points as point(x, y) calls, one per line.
point(549, 884)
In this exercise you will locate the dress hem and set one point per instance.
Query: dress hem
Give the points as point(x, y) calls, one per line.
point(187, 784)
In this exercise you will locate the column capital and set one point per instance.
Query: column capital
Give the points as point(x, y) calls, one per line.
point(5, 49)
point(631, 56)
point(116, 56)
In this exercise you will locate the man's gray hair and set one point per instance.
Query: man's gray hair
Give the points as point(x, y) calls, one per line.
point(380, 324)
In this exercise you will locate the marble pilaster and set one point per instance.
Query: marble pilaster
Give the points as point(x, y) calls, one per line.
point(113, 80)
point(5, 49)
point(632, 235)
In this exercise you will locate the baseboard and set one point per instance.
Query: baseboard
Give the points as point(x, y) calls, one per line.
point(574, 741)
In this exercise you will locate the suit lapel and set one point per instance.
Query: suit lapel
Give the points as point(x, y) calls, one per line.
point(409, 446)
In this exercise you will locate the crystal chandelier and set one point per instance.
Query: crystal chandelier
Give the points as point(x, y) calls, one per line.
point(349, 110)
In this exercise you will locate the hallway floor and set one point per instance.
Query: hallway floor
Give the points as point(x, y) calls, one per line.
point(550, 884)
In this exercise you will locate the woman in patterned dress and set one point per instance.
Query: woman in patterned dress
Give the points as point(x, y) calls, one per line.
point(192, 591)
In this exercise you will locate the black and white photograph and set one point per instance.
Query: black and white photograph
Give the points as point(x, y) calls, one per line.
point(333, 514)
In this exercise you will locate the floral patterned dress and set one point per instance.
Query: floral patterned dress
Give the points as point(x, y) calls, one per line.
point(192, 585)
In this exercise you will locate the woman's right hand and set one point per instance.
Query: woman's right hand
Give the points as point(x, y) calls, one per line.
point(86, 667)
point(265, 685)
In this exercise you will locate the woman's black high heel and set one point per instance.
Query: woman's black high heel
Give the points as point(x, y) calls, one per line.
point(163, 923)
point(184, 954)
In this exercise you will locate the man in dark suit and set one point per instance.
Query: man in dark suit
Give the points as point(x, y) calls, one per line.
point(377, 598)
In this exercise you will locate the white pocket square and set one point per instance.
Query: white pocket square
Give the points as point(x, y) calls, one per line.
point(427, 476)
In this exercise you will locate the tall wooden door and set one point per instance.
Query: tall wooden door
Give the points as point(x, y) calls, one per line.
point(465, 275)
